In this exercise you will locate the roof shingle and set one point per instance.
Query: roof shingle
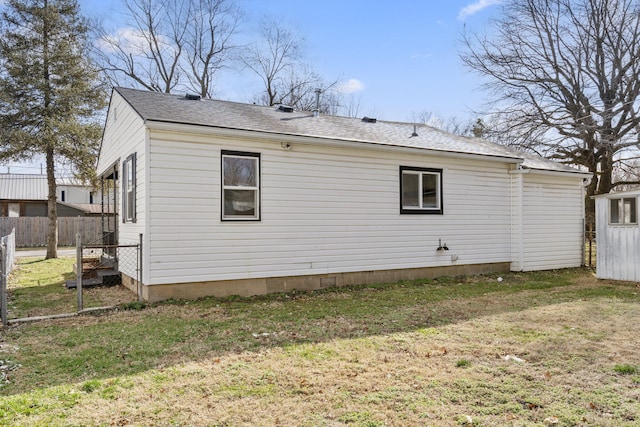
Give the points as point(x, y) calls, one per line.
point(172, 108)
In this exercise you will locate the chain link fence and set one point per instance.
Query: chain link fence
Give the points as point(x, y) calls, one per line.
point(590, 246)
point(108, 265)
point(104, 265)
point(98, 277)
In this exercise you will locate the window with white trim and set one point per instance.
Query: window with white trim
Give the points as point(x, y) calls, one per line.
point(129, 189)
point(420, 190)
point(240, 186)
point(623, 210)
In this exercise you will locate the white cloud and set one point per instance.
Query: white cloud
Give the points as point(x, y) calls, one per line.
point(351, 86)
point(476, 7)
point(129, 40)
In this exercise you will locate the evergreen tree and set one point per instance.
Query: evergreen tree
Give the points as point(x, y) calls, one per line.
point(49, 92)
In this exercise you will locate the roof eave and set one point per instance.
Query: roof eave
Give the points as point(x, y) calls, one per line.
point(163, 125)
point(552, 172)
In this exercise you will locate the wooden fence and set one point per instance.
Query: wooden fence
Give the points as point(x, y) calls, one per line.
point(32, 231)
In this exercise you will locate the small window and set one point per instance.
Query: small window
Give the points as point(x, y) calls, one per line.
point(129, 189)
point(420, 190)
point(623, 211)
point(240, 186)
point(13, 210)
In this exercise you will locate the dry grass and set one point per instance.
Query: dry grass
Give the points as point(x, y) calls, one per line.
point(516, 357)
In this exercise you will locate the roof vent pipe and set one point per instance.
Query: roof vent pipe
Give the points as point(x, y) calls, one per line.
point(414, 131)
point(316, 112)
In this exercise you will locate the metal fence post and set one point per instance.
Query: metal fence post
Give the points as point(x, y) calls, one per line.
point(79, 270)
point(3, 283)
point(140, 298)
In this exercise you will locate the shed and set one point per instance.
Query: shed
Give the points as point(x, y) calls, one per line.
point(618, 236)
point(234, 198)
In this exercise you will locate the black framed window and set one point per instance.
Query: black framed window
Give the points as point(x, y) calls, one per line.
point(420, 190)
point(240, 186)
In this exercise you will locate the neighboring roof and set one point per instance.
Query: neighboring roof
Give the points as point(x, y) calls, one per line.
point(23, 187)
point(94, 209)
point(617, 194)
point(172, 108)
point(19, 186)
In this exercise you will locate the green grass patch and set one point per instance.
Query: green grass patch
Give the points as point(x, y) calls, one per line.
point(38, 285)
point(37, 288)
point(361, 355)
point(626, 369)
point(360, 419)
point(463, 363)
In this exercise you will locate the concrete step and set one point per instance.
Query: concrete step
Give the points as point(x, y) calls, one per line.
point(109, 277)
point(103, 278)
point(86, 283)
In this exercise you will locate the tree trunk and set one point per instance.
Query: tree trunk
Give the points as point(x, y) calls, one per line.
point(589, 203)
point(52, 234)
point(605, 183)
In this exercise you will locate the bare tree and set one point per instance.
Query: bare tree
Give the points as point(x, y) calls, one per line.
point(147, 52)
point(347, 105)
point(451, 124)
point(565, 76)
point(277, 59)
point(273, 58)
point(627, 174)
point(209, 44)
point(169, 44)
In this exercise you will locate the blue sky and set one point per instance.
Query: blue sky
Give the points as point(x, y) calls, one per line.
point(403, 54)
point(399, 58)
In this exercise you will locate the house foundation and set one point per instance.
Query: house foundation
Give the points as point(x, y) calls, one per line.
point(261, 286)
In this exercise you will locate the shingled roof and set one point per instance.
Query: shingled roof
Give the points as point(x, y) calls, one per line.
point(173, 108)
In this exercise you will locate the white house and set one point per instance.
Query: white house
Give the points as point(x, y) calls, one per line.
point(618, 236)
point(234, 198)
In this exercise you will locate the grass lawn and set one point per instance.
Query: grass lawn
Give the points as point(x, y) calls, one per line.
point(37, 289)
point(535, 349)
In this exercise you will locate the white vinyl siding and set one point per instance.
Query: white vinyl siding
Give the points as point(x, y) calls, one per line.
point(550, 234)
point(76, 194)
point(124, 135)
point(324, 210)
